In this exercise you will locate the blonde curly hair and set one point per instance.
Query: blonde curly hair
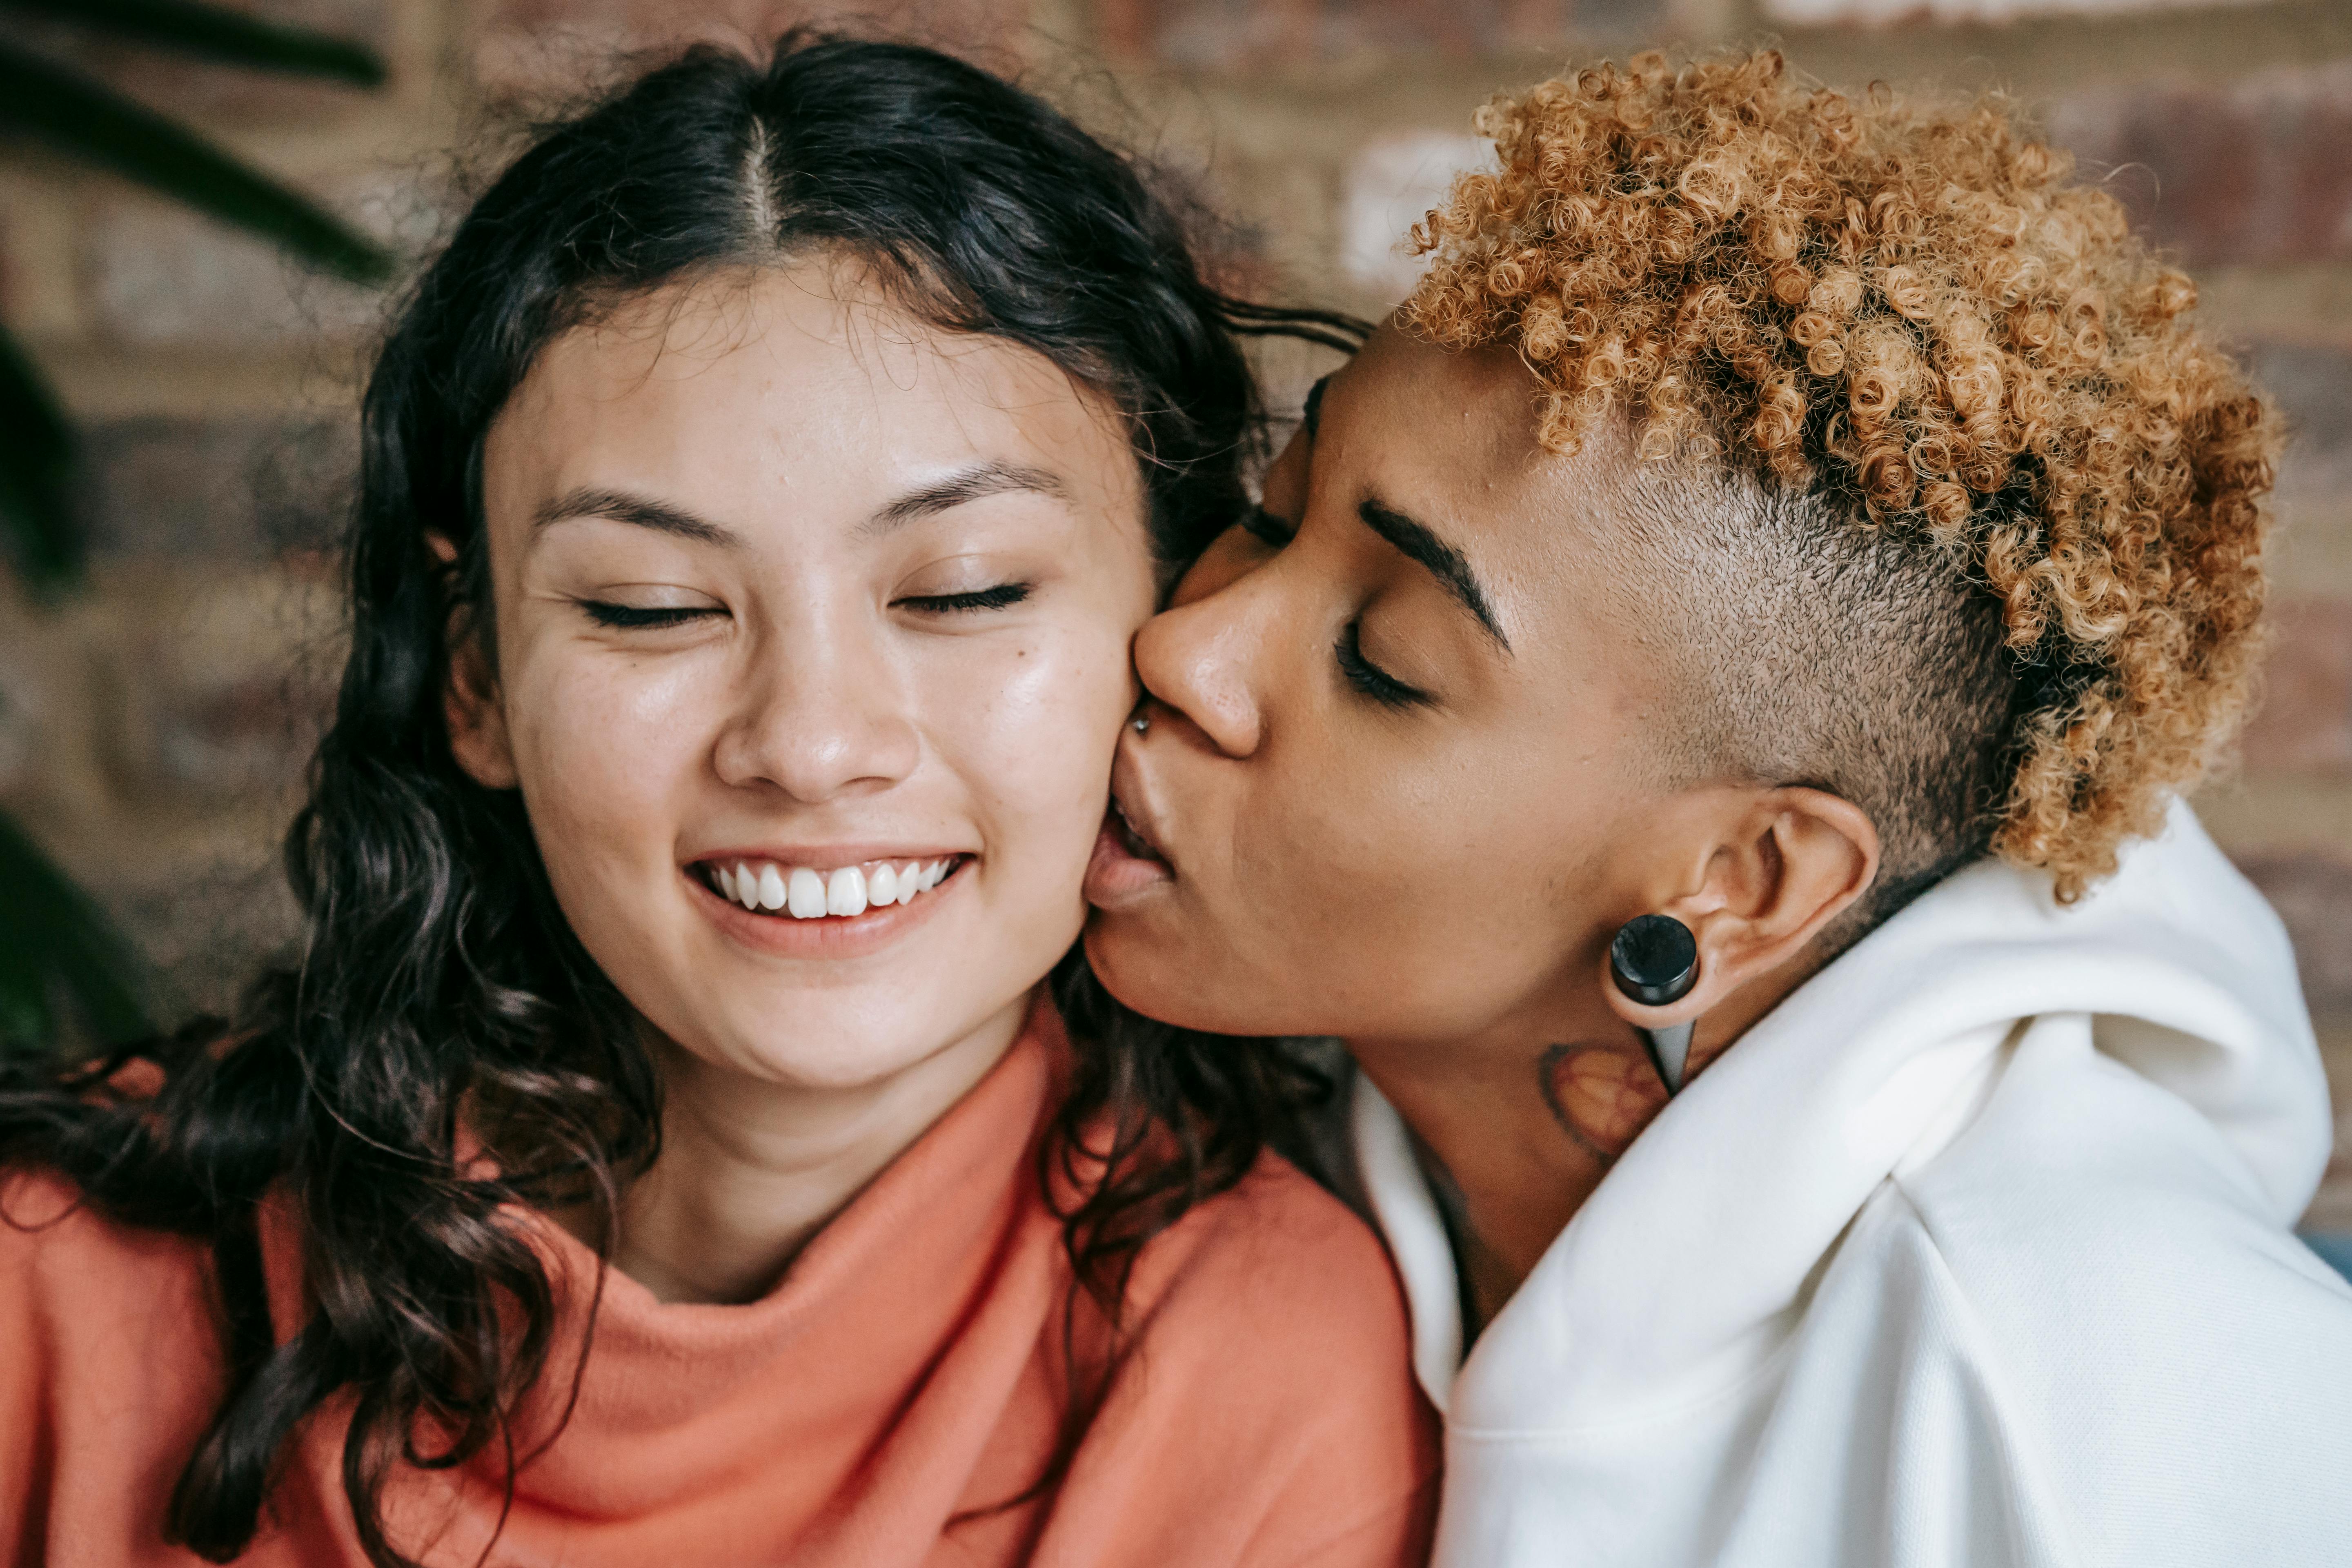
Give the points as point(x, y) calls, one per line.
point(1912, 310)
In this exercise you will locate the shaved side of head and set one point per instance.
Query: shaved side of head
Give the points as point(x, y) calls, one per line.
point(1790, 642)
point(1948, 396)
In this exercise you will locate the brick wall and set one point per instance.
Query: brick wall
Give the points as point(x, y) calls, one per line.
point(150, 733)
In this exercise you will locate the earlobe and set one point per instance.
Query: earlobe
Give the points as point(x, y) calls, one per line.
point(1793, 860)
point(477, 719)
point(1653, 963)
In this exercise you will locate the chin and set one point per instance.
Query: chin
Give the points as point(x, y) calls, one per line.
point(1156, 979)
point(823, 1058)
point(1122, 958)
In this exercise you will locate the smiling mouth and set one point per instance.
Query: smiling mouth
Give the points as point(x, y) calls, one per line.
point(811, 893)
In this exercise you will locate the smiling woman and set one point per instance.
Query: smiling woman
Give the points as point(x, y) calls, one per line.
point(670, 1147)
point(784, 580)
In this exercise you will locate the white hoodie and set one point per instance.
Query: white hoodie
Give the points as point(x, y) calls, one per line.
point(1974, 1251)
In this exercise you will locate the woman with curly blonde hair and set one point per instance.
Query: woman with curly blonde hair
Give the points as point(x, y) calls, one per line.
point(1702, 715)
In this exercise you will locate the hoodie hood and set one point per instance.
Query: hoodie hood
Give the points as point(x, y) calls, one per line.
point(1685, 1272)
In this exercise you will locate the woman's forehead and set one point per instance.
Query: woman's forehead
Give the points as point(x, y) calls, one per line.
point(775, 385)
point(813, 327)
point(1450, 437)
point(1484, 397)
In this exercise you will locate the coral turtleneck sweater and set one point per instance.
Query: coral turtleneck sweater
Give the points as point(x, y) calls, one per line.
point(906, 1371)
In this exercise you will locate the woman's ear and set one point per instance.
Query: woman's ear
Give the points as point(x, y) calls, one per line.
point(1784, 866)
point(470, 702)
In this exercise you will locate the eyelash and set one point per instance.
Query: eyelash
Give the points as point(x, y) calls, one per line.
point(630, 618)
point(1004, 597)
point(1368, 679)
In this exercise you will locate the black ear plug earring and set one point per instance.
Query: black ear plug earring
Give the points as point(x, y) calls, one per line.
point(1654, 962)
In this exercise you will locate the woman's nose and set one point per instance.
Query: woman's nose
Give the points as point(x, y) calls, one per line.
point(831, 719)
point(1197, 660)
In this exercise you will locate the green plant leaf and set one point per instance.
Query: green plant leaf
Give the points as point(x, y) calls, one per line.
point(216, 34)
point(35, 475)
point(89, 119)
point(55, 939)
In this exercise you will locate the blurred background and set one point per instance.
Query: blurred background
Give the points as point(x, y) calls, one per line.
point(167, 647)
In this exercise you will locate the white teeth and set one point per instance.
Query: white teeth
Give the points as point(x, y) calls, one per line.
point(808, 894)
point(846, 893)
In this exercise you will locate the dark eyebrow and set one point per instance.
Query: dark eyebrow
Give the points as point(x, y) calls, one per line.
point(1313, 417)
point(643, 510)
point(1444, 563)
point(995, 478)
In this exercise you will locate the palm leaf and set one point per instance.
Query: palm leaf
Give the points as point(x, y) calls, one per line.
point(35, 470)
point(56, 945)
point(64, 965)
point(219, 35)
point(87, 120)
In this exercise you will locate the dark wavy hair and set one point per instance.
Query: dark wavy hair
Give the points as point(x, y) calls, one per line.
point(441, 990)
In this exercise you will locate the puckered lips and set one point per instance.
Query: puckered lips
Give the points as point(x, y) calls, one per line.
point(824, 900)
point(1128, 861)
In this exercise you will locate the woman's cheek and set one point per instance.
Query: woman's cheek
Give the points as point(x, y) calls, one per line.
point(1038, 726)
point(605, 739)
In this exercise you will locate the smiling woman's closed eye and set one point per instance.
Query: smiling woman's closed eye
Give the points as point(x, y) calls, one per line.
point(644, 607)
point(621, 616)
point(935, 591)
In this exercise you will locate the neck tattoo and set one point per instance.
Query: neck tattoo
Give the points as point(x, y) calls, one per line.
point(1601, 1095)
